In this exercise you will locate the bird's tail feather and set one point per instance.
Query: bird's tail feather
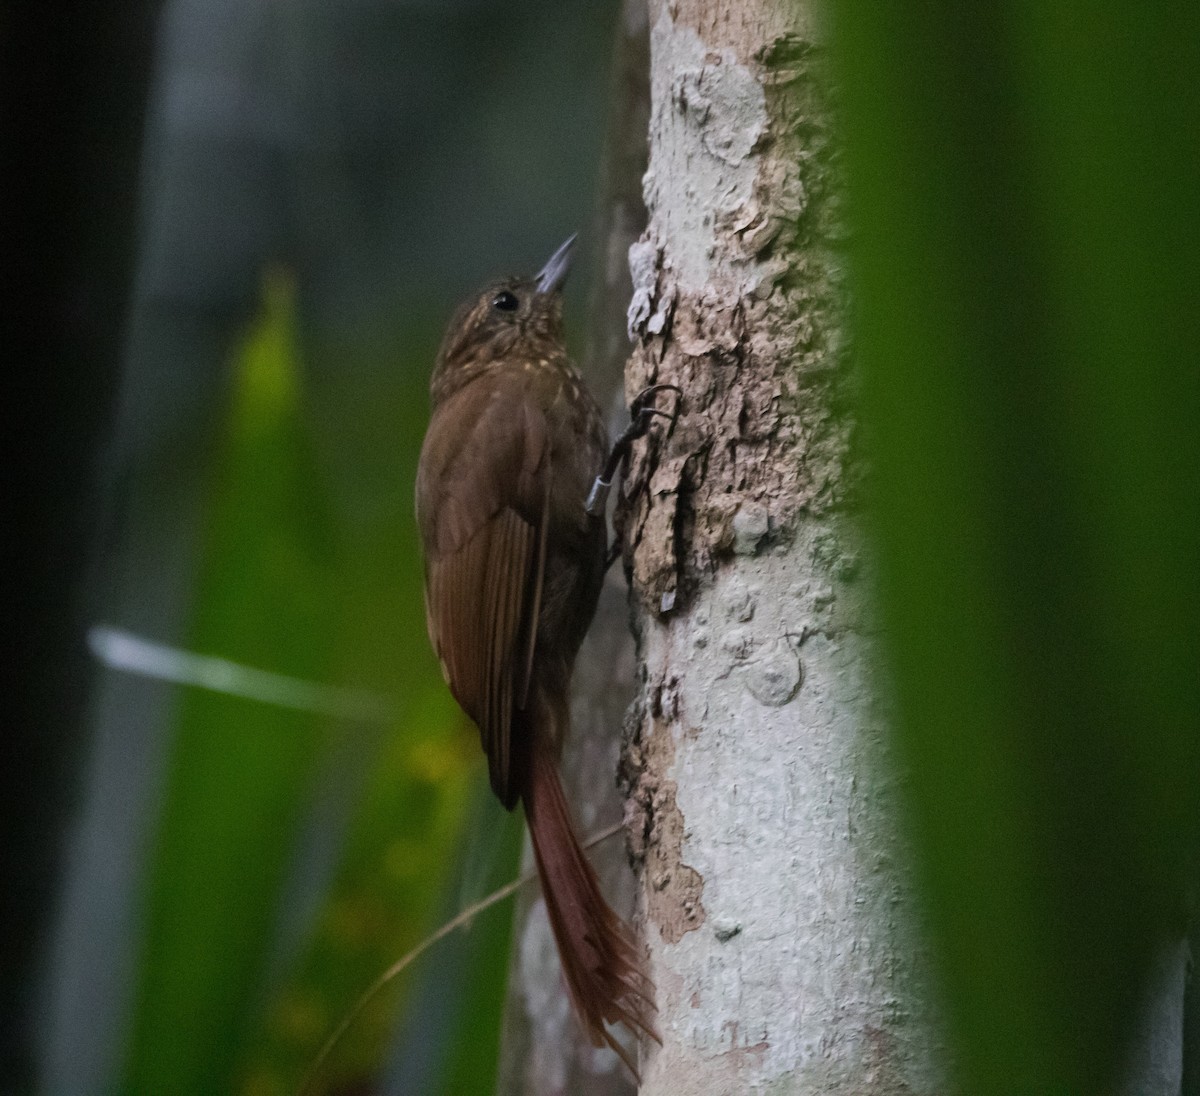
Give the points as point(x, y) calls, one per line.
point(602, 965)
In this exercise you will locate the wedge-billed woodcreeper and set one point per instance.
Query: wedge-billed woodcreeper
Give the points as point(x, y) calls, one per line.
point(513, 568)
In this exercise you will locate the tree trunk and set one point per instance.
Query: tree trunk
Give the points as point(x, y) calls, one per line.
point(778, 903)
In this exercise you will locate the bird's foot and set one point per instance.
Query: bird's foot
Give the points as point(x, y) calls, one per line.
point(641, 415)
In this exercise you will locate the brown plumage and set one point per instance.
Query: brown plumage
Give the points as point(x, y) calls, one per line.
point(513, 567)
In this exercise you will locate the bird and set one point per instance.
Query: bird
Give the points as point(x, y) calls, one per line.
point(514, 557)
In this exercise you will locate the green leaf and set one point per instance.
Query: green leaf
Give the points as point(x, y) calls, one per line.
point(239, 771)
point(1026, 236)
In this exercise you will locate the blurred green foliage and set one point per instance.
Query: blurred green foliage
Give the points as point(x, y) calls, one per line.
point(246, 965)
point(1025, 194)
point(242, 872)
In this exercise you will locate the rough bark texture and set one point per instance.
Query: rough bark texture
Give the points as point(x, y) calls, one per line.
point(764, 807)
point(543, 1050)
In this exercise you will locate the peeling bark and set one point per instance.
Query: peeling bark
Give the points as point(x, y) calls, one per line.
point(763, 803)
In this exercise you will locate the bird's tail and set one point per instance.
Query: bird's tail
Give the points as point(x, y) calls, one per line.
point(602, 966)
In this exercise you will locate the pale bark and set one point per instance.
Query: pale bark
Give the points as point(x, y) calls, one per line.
point(1155, 1065)
point(778, 900)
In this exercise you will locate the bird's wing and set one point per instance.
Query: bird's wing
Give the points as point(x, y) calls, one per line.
point(483, 491)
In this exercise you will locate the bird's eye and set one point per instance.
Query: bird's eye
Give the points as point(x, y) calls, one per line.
point(505, 301)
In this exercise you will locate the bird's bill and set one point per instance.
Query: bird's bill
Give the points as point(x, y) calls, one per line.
point(558, 266)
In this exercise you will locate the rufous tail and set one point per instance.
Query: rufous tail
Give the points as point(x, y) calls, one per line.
point(602, 965)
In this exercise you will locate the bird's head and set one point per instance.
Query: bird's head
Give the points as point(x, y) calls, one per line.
point(513, 316)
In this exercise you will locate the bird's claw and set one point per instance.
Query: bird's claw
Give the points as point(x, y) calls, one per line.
point(648, 393)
